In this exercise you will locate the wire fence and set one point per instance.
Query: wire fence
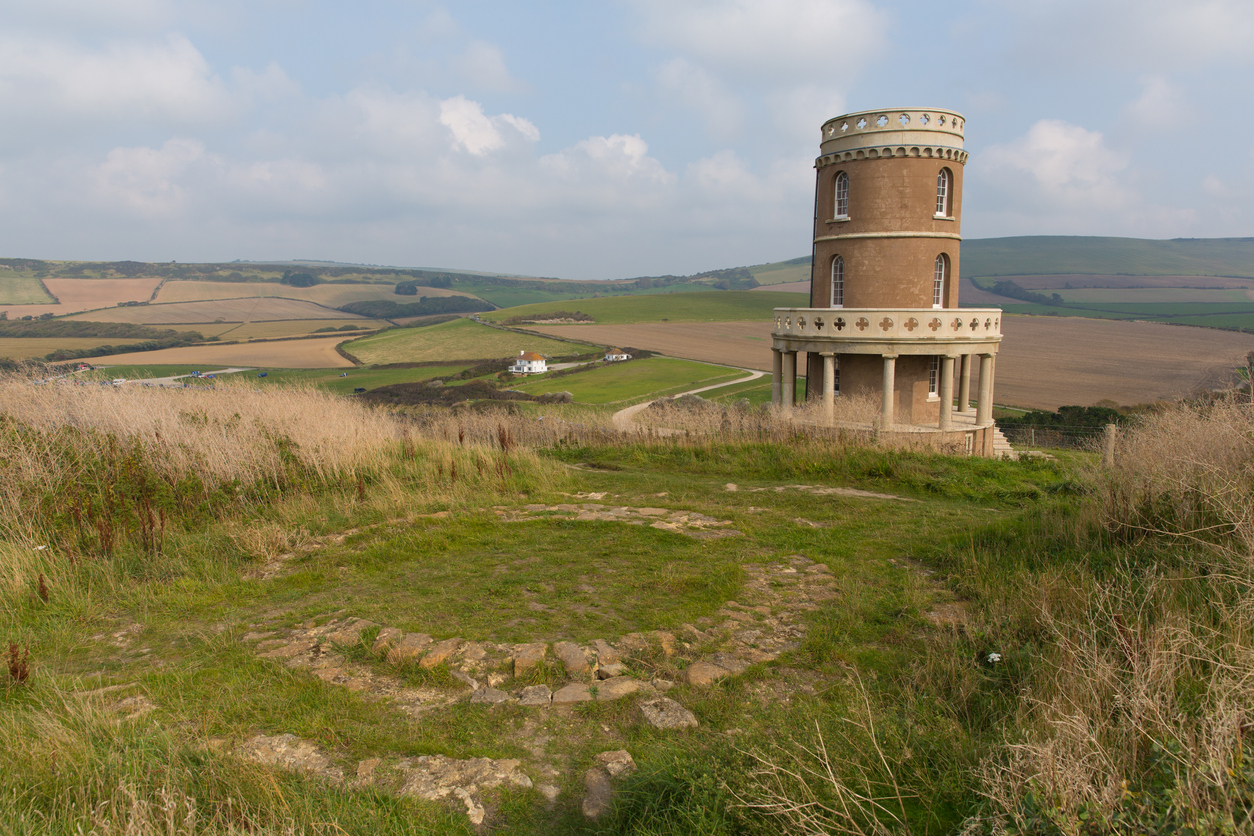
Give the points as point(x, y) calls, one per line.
point(1070, 436)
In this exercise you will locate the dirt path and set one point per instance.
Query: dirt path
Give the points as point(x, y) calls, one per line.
point(624, 419)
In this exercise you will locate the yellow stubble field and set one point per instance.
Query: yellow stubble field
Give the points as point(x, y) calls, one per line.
point(330, 295)
point(87, 295)
point(314, 353)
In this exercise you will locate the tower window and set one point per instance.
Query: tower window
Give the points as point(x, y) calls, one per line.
point(933, 377)
point(944, 194)
point(838, 282)
point(842, 195)
point(938, 281)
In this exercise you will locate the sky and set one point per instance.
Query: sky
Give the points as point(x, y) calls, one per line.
point(595, 139)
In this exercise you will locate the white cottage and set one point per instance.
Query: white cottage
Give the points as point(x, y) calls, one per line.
point(528, 362)
point(615, 355)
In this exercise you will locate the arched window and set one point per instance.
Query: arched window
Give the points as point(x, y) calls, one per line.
point(944, 194)
point(842, 195)
point(938, 281)
point(838, 282)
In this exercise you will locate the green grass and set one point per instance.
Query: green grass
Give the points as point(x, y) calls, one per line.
point(462, 339)
point(1105, 296)
point(17, 288)
point(1226, 315)
point(782, 272)
point(711, 306)
point(512, 296)
point(632, 380)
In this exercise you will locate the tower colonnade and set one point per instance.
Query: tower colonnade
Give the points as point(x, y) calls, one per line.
point(884, 315)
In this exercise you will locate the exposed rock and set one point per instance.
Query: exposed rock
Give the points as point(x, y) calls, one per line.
point(536, 695)
point(386, 640)
point(666, 640)
point(527, 656)
point(434, 777)
point(606, 654)
point(409, 648)
point(617, 763)
point(549, 791)
point(290, 752)
point(616, 688)
point(574, 692)
point(598, 793)
point(704, 674)
point(730, 663)
point(490, 696)
point(440, 653)
point(365, 770)
point(253, 637)
point(572, 657)
point(350, 633)
point(666, 714)
point(473, 652)
point(462, 676)
point(663, 684)
point(611, 670)
point(291, 649)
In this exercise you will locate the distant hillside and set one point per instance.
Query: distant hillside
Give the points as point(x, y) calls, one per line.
point(1082, 255)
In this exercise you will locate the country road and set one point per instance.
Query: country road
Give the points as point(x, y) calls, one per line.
point(624, 418)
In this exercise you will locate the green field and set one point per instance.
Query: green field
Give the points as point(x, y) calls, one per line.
point(711, 306)
point(1229, 315)
point(506, 296)
point(1153, 295)
point(632, 380)
point(462, 339)
point(18, 288)
point(782, 272)
point(1065, 254)
point(340, 381)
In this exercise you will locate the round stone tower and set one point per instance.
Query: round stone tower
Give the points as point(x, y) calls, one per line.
point(884, 284)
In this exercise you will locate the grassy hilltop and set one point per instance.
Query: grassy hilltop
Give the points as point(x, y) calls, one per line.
point(239, 610)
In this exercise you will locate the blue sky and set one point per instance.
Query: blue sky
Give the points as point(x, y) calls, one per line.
point(595, 139)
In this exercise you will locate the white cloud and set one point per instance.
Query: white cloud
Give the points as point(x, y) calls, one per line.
point(126, 80)
point(696, 88)
point(617, 157)
point(776, 39)
point(1161, 106)
point(1066, 164)
point(114, 15)
point(477, 133)
point(483, 65)
point(145, 180)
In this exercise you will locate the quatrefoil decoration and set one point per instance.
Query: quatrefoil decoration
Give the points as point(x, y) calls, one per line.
point(988, 323)
point(935, 324)
point(840, 323)
point(778, 322)
point(862, 323)
point(862, 123)
point(997, 323)
point(831, 132)
point(975, 323)
point(801, 322)
point(818, 323)
point(882, 120)
point(886, 323)
point(957, 324)
point(844, 127)
point(911, 324)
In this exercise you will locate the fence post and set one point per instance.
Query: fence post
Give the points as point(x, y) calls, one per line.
point(1031, 436)
point(1108, 447)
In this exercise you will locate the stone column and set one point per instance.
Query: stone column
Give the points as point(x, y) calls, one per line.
point(829, 385)
point(886, 402)
point(788, 385)
point(984, 408)
point(964, 385)
point(946, 394)
point(777, 373)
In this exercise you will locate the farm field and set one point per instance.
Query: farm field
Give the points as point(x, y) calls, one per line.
point(330, 295)
point(613, 383)
point(461, 339)
point(1044, 363)
point(328, 379)
point(507, 296)
point(710, 306)
point(260, 309)
point(276, 329)
point(87, 295)
point(314, 353)
point(802, 287)
point(26, 348)
point(782, 272)
point(1223, 315)
point(18, 289)
point(1040, 254)
point(1077, 281)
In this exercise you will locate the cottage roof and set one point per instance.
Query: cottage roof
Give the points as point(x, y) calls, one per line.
point(531, 356)
point(612, 351)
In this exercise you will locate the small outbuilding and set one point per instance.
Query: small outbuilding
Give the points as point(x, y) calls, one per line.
point(616, 355)
point(529, 362)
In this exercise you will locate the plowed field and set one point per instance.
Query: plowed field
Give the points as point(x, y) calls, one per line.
point(331, 295)
point(1044, 363)
point(249, 309)
point(318, 353)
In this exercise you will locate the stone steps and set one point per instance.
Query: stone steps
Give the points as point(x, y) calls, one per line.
point(1001, 447)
